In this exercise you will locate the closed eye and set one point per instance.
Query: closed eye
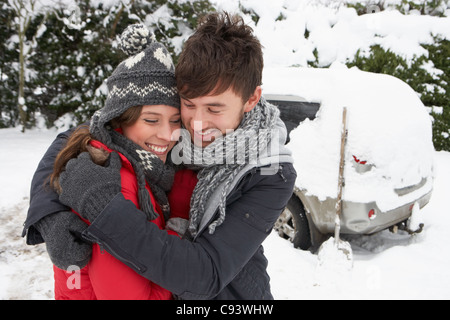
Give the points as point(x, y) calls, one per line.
point(213, 111)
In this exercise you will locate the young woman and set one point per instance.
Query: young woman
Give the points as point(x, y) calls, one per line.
point(135, 131)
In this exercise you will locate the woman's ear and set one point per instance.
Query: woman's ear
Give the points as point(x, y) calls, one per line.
point(253, 100)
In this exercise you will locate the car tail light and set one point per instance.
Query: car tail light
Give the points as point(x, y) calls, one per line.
point(372, 215)
point(359, 161)
point(361, 166)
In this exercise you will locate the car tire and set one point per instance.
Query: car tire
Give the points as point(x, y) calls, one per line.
point(293, 225)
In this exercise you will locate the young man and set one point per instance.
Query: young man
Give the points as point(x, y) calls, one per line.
point(245, 178)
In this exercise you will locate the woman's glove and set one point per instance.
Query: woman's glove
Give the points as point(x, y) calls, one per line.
point(61, 232)
point(87, 187)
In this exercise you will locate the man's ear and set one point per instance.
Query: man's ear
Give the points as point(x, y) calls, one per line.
point(253, 100)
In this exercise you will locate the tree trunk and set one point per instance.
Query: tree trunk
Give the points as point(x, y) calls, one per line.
point(21, 96)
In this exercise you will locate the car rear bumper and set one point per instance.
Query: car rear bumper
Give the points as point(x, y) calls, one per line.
point(355, 216)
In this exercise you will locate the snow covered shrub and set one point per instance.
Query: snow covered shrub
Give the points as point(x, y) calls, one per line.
point(72, 50)
point(8, 75)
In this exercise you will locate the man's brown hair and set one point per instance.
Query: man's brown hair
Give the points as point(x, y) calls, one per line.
point(222, 53)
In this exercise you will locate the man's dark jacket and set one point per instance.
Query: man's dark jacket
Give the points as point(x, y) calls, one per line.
point(229, 264)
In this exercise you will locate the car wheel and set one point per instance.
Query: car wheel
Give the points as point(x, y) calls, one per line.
point(292, 224)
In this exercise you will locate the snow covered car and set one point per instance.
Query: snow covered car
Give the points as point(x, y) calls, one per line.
point(388, 170)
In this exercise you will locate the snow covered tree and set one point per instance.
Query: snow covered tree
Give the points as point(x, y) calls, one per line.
point(73, 58)
point(76, 50)
point(8, 75)
point(25, 12)
point(439, 93)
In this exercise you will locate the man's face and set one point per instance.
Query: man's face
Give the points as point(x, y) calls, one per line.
point(211, 116)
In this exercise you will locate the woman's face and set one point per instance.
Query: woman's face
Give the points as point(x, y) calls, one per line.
point(156, 130)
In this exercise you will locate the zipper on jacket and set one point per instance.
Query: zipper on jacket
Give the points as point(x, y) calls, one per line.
point(114, 253)
point(121, 258)
point(280, 172)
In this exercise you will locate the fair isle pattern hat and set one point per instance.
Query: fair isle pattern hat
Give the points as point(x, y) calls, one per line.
point(147, 77)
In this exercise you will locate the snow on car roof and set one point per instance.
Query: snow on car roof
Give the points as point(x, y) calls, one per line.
point(388, 127)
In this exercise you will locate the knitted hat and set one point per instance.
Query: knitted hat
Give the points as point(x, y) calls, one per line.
point(145, 78)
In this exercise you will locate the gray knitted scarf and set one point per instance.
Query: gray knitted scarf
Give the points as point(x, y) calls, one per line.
point(224, 158)
point(148, 167)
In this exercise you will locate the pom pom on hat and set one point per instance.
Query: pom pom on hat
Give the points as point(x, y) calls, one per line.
point(135, 38)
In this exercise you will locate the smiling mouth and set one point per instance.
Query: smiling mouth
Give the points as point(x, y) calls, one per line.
point(207, 134)
point(157, 149)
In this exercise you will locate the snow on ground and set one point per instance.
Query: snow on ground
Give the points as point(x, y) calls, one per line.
point(386, 265)
point(25, 271)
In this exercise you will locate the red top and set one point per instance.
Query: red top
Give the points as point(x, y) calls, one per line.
point(105, 277)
